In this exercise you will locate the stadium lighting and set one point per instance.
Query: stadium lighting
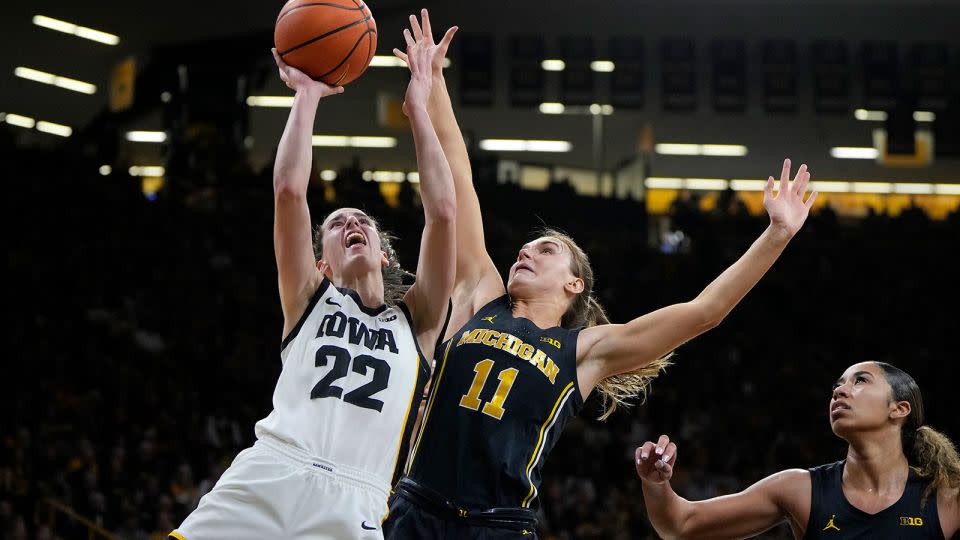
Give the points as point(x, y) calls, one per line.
point(685, 149)
point(552, 108)
point(553, 65)
point(602, 66)
point(344, 141)
point(146, 170)
point(869, 116)
point(54, 129)
point(924, 116)
point(270, 101)
point(328, 175)
point(706, 184)
point(147, 136)
point(19, 121)
point(79, 31)
point(872, 187)
point(55, 80)
point(520, 145)
point(663, 183)
point(394, 62)
point(854, 152)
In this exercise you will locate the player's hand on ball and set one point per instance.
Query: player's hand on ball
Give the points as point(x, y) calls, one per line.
point(424, 33)
point(299, 81)
point(655, 460)
point(788, 210)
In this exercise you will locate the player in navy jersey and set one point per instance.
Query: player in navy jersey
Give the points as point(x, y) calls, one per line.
point(521, 358)
point(355, 351)
point(899, 481)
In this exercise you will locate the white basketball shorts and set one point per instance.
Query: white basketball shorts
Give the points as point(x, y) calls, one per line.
point(275, 490)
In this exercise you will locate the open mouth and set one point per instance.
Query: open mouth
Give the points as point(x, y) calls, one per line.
point(354, 239)
point(838, 408)
point(523, 267)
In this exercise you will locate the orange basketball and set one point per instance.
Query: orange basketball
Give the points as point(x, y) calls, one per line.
point(331, 41)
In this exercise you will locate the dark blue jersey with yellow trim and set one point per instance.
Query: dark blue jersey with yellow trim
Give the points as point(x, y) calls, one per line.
point(502, 391)
point(833, 517)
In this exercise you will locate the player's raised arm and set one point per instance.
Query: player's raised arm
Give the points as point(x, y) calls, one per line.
point(612, 349)
point(292, 236)
point(477, 280)
point(782, 496)
point(436, 269)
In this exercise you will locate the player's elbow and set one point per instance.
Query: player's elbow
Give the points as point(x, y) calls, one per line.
point(444, 212)
point(705, 316)
point(287, 191)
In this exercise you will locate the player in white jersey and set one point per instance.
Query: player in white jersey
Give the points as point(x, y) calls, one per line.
point(355, 352)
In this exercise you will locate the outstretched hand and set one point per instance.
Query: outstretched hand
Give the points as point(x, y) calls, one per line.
point(787, 209)
point(424, 33)
point(655, 461)
point(299, 81)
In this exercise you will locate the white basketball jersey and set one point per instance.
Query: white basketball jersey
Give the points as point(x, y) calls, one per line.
point(351, 383)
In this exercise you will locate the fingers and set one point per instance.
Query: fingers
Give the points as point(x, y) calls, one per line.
point(276, 58)
point(669, 454)
point(644, 451)
point(810, 200)
point(785, 177)
point(768, 188)
point(445, 42)
point(661, 445)
point(801, 181)
point(425, 23)
point(408, 38)
point(415, 26)
point(401, 55)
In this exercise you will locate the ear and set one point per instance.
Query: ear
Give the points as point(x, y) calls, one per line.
point(384, 259)
point(900, 409)
point(574, 286)
point(325, 269)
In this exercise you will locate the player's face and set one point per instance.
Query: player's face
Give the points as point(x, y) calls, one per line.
point(351, 243)
point(861, 400)
point(542, 267)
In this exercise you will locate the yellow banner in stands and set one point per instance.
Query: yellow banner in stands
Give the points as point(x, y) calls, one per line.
point(122, 85)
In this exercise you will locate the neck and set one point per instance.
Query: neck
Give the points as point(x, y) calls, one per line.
point(875, 462)
point(368, 285)
point(543, 312)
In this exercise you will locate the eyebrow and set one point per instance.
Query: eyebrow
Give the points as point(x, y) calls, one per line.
point(346, 214)
point(547, 241)
point(855, 375)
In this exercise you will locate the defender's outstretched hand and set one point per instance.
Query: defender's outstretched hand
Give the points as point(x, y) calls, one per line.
point(787, 209)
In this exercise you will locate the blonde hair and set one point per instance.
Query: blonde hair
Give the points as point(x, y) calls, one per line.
point(585, 311)
point(932, 454)
point(394, 276)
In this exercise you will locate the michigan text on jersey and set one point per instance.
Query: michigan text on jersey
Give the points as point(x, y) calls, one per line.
point(515, 346)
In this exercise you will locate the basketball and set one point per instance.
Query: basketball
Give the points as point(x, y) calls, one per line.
point(331, 41)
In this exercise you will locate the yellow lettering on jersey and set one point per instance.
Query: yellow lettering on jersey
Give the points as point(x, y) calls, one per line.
point(470, 336)
point(516, 347)
point(552, 370)
point(551, 341)
point(490, 337)
point(911, 521)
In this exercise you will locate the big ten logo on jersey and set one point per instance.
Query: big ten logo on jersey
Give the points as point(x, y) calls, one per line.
point(338, 325)
point(911, 521)
point(515, 346)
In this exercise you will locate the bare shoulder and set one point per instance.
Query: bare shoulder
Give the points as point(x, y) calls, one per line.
point(791, 490)
point(948, 506)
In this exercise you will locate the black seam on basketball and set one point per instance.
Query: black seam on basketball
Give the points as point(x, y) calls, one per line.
point(370, 48)
point(345, 58)
point(323, 4)
point(318, 38)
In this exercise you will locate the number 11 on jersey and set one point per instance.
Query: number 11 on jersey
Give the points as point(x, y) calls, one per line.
point(494, 408)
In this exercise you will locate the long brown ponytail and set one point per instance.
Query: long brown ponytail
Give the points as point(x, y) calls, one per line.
point(930, 452)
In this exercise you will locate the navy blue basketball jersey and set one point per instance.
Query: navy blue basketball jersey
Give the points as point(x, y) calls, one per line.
point(502, 391)
point(832, 517)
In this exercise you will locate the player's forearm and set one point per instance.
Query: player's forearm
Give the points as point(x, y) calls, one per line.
point(725, 292)
point(291, 171)
point(436, 181)
point(445, 122)
point(667, 511)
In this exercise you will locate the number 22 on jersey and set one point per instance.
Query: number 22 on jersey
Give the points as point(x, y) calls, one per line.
point(494, 408)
